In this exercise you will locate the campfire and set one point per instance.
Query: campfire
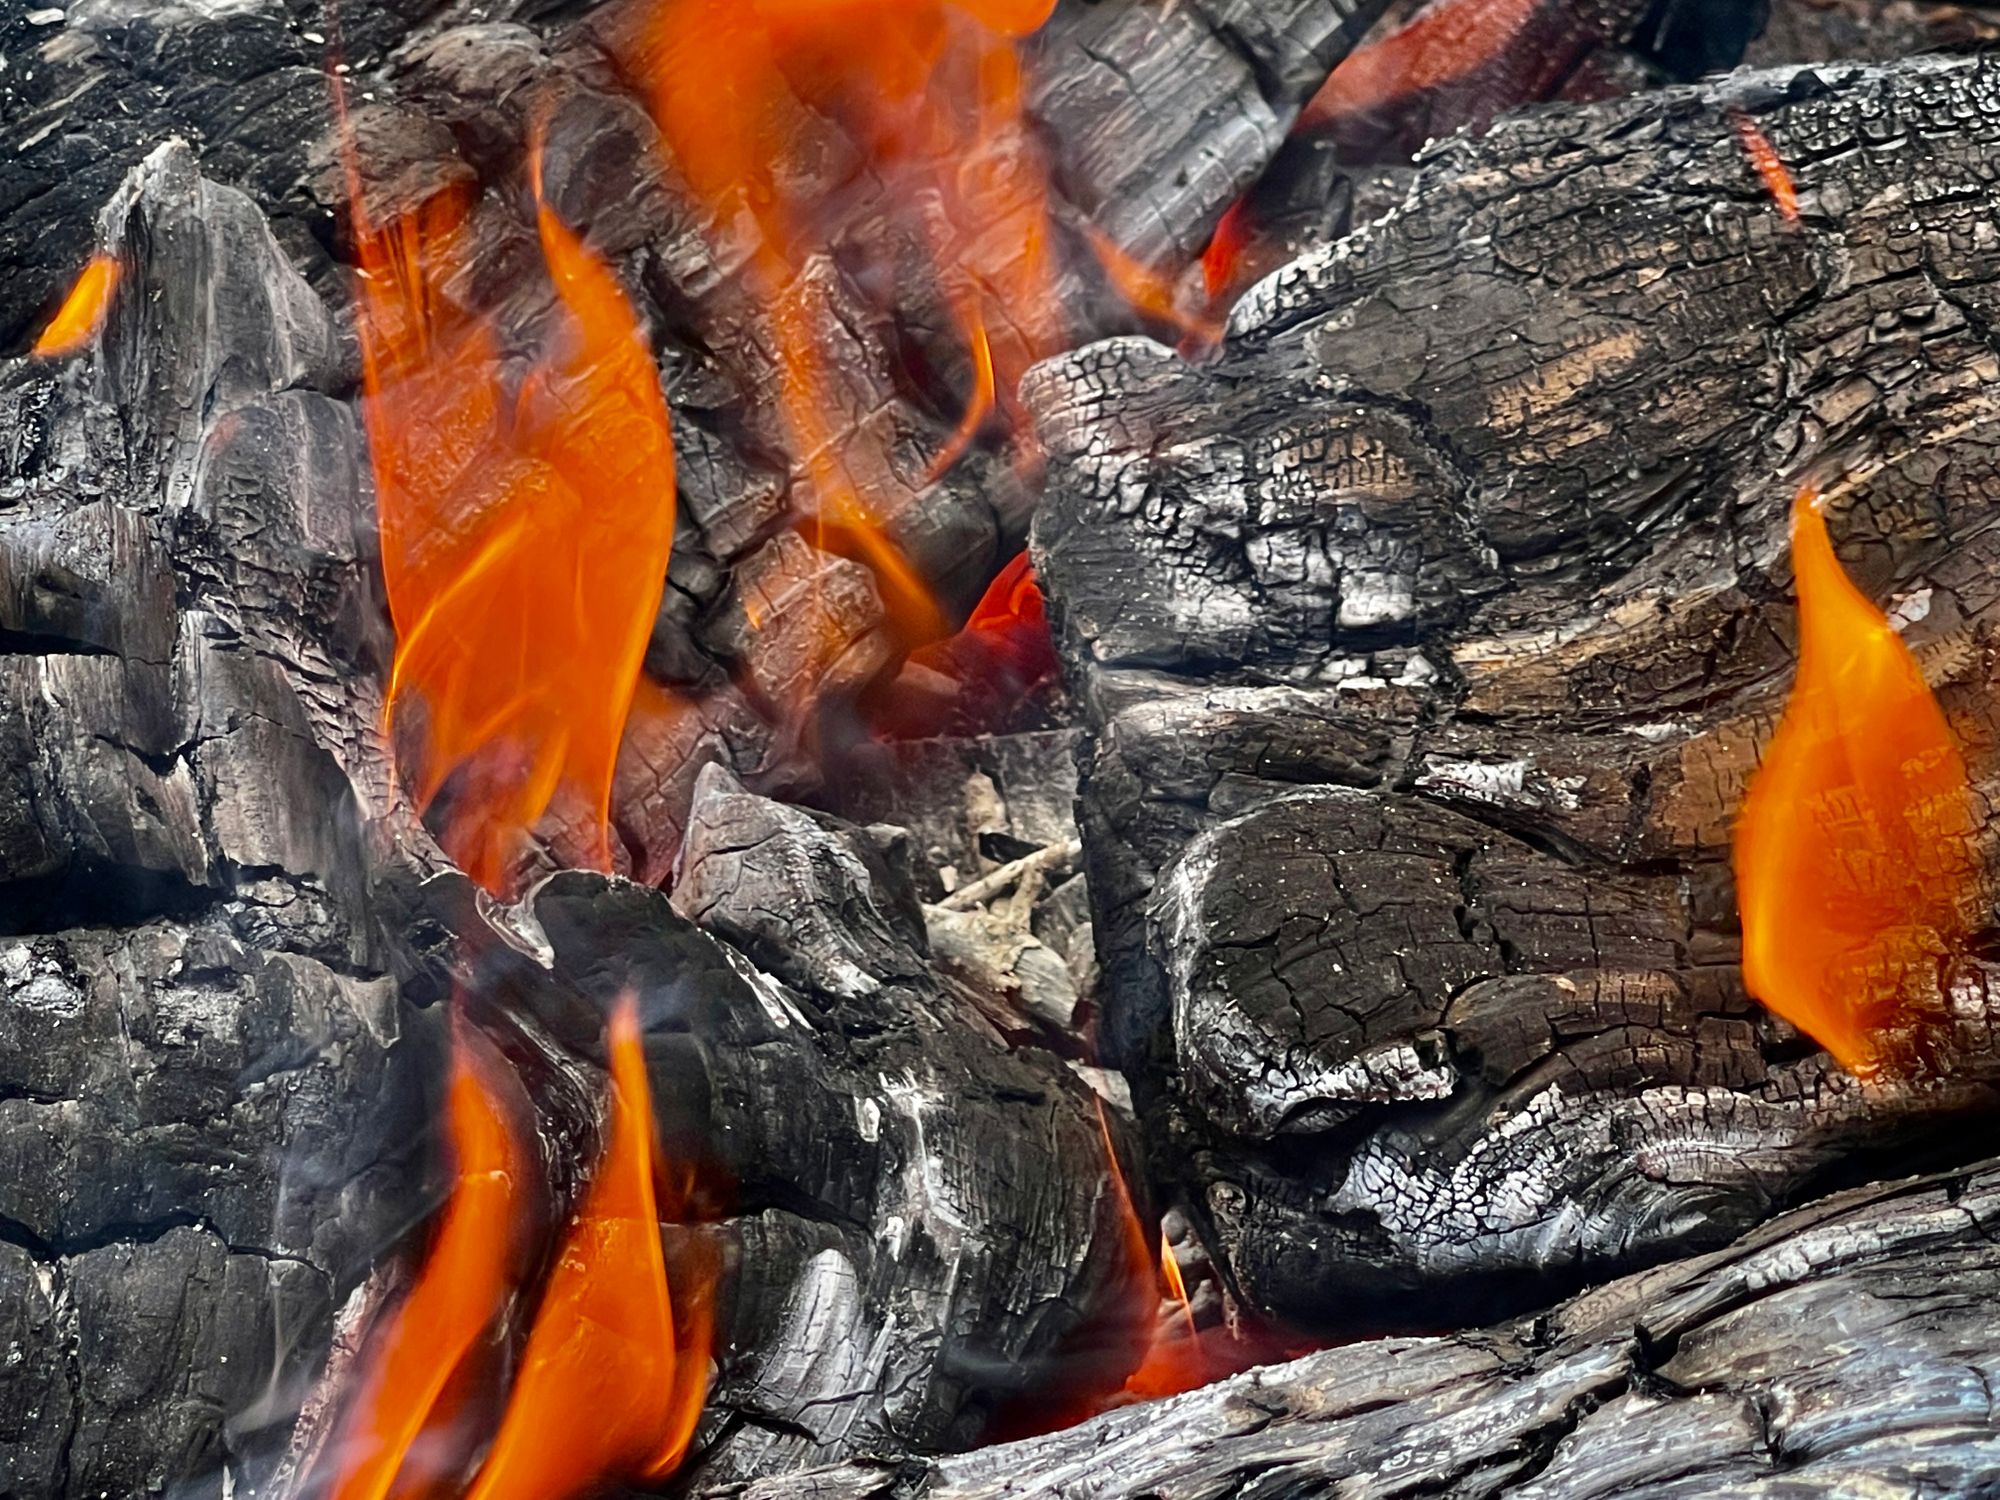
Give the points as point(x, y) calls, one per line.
point(998, 747)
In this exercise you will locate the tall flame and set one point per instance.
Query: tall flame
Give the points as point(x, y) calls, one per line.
point(525, 532)
point(1854, 859)
point(83, 309)
point(457, 1299)
point(932, 92)
point(615, 1368)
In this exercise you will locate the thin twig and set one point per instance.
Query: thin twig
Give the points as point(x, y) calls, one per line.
point(994, 882)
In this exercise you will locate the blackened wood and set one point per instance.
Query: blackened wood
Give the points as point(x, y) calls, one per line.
point(1428, 635)
point(1844, 1348)
point(914, 1204)
point(1814, 31)
point(213, 1100)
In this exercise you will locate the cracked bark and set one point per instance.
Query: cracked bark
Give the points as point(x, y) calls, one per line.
point(1842, 1348)
point(224, 937)
point(1427, 636)
point(225, 934)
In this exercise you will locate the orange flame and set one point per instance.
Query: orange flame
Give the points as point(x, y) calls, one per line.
point(615, 1368)
point(1770, 167)
point(82, 313)
point(1174, 1360)
point(457, 1299)
point(525, 532)
point(1853, 850)
point(932, 92)
point(1228, 250)
point(1156, 294)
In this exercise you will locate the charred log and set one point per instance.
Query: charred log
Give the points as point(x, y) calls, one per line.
point(1843, 1347)
point(1427, 638)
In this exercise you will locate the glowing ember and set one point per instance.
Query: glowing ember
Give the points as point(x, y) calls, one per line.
point(616, 1366)
point(1174, 1361)
point(81, 315)
point(1770, 167)
point(1854, 856)
point(525, 534)
point(976, 679)
point(1450, 45)
point(453, 1308)
point(1228, 249)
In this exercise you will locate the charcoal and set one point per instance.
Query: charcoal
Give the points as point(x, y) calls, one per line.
point(214, 1104)
point(1840, 1349)
point(918, 1217)
point(222, 1332)
point(1211, 85)
point(669, 740)
point(1425, 661)
point(970, 803)
point(805, 630)
point(194, 1176)
point(1423, 665)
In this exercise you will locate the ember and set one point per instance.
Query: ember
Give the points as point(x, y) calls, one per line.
point(1855, 863)
point(1770, 167)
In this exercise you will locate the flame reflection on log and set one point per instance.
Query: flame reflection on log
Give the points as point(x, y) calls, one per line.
point(1854, 858)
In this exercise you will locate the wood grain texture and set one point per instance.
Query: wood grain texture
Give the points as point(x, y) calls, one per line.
point(1428, 634)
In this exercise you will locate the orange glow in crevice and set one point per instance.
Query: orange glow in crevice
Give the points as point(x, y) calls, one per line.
point(526, 526)
point(83, 310)
point(616, 1365)
point(1228, 250)
point(1174, 1359)
point(1855, 865)
point(396, 1435)
point(1001, 656)
point(1449, 46)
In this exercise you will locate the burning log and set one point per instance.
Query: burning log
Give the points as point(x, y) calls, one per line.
point(1429, 636)
point(215, 1099)
point(1421, 671)
point(1842, 1347)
